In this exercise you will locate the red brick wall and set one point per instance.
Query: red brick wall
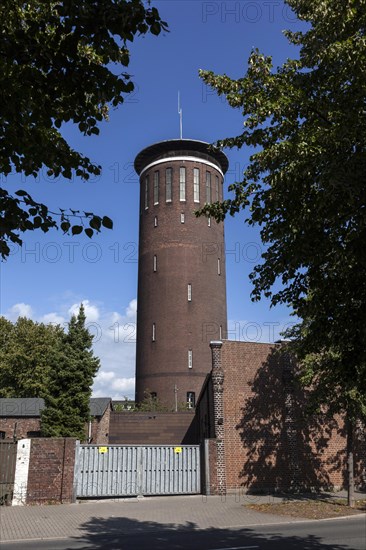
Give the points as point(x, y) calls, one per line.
point(154, 428)
point(51, 471)
point(19, 426)
point(268, 442)
point(213, 488)
point(100, 428)
point(22, 426)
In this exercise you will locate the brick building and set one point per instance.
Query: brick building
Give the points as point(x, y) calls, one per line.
point(21, 418)
point(181, 303)
point(259, 439)
point(249, 414)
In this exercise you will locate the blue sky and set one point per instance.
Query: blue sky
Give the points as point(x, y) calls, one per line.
point(52, 274)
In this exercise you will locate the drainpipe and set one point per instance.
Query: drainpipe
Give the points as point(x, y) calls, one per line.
point(89, 431)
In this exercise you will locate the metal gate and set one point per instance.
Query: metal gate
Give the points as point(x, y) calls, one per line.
point(8, 455)
point(123, 470)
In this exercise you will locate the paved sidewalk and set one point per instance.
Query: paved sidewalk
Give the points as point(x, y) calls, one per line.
point(88, 517)
point(130, 515)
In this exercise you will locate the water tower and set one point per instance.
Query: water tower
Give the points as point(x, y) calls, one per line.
point(181, 303)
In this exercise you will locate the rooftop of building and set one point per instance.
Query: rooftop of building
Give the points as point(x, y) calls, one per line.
point(194, 147)
point(32, 406)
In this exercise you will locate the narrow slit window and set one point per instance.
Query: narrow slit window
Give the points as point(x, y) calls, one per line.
point(182, 183)
point(189, 292)
point(155, 221)
point(218, 266)
point(217, 188)
point(208, 187)
point(191, 399)
point(168, 184)
point(182, 218)
point(153, 332)
point(209, 221)
point(156, 187)
point(220, 333)
point(196, 185)
point(155, 263)
point(146, 192)
point(190, 359)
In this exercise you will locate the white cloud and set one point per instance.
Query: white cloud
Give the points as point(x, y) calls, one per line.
point(124, 385)
point(114, 341)
point(19, 310)
point(104, 377)
point(53, 318)
point(91, 311)
point(132, 309)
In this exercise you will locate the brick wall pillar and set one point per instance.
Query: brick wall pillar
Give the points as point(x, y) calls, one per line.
point(51, 471)
point(360, 433)
point(218, 388)
point(290, 424)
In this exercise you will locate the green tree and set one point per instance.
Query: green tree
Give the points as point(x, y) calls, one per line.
point(60, 62)
point(151, 403)
point(26, 353)
point(305, 125)
point(70, 383)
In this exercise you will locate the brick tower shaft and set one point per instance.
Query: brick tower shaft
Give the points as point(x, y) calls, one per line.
point(181, 302)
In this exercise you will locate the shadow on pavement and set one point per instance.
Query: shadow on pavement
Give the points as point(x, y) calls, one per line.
point(124, 533)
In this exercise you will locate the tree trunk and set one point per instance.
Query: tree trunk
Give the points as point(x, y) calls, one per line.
point(351, 481)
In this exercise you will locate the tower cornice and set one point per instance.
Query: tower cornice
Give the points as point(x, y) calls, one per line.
point(181, 147)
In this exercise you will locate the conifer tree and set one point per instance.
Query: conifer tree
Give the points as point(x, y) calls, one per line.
point(71, 379)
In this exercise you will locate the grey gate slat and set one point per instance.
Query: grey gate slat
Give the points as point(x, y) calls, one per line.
point(125, 470)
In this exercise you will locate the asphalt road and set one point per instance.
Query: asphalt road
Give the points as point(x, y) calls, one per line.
point(344, 534)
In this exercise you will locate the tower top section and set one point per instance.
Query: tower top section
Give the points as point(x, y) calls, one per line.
point(180, 148)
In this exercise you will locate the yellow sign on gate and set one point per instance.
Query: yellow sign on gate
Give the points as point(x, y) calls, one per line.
point(178, 449)
point(103, 450)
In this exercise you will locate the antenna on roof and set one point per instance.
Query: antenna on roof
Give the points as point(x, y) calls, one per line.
point(180, 113)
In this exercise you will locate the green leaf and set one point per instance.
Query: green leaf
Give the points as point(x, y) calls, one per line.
point(107, 222)
point(65, 226)
point(76, 229)
point(95, 223)
point(56, 67)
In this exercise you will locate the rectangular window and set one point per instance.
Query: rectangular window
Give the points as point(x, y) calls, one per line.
point(155, 263)
point(191, 399)
point(153, 332)
point(34, 434)
point(209, 221)
point(196, 185)
point(190, 359)
point(208, 187)
point(146, 192)
point(168, 184)
point(182, 218)
point(189, 292)
point(156, 187)
point(182, 184)
point(155, 221)
point(217, 187)
point(220, 334)
point(218, 266)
